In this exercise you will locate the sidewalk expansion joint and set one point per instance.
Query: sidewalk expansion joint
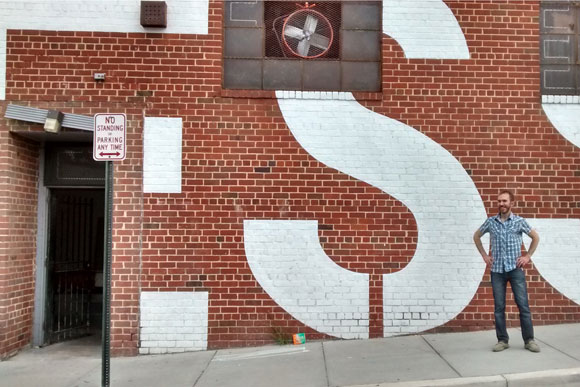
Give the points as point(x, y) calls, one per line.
point(204, 369)
point(554, 348)
point(558, 350)
point(438, 354)
point(325, 366)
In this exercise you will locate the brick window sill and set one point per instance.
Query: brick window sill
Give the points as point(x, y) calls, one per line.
point(562, 99)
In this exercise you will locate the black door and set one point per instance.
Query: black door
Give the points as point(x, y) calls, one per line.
point(75, 263)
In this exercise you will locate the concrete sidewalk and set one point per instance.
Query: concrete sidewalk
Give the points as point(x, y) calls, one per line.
point(452, 359)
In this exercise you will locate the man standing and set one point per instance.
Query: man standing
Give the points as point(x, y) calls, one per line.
point(506, 263)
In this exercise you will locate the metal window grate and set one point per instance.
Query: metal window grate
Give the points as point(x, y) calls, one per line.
point(289, 45)
point(559, 47)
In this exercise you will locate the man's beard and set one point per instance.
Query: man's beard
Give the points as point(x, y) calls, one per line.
point(504, 209)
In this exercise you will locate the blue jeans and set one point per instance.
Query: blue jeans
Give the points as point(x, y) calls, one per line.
point(517, 280)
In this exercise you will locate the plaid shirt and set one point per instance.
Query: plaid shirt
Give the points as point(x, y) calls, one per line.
point(506, 240)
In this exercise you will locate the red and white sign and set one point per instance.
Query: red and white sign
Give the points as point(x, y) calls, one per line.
point(110, 137)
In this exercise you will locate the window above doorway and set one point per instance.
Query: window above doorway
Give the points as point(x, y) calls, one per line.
point(72, 165)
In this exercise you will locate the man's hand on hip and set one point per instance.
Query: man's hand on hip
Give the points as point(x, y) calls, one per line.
point(523, 260)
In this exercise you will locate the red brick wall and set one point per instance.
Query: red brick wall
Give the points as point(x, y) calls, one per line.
point(18, 198)
point(127, 229)
point(240, 161)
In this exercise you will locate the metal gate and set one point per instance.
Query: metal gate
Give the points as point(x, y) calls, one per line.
point(75, 252)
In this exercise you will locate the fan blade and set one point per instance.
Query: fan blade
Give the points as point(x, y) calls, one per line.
point(310, 24)
point(303, 47)
point(294, 32)
point(320, 41)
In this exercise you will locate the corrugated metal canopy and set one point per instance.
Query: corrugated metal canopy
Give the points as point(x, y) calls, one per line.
point(30, 114)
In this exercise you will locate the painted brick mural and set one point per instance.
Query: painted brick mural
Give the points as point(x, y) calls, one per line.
point(339, 214)
point(173, 322)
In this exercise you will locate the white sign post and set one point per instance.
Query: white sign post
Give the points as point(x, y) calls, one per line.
point(110, 137)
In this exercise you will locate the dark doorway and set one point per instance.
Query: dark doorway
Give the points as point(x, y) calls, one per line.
point(73, 260)
point(75, 263)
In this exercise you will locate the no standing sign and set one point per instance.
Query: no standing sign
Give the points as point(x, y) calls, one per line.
point(110, 137)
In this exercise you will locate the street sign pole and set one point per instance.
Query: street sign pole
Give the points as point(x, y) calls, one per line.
point(109, 144)
point(108, 249)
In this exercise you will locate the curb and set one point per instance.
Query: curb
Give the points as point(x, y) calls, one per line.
point(564, 377)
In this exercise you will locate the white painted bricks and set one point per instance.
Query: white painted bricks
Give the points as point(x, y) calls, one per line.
point(314, 95)
point(287, 260)
point(162, 155)
point(446, 270)
point(183, 16)
point(424, 29)
point(173, 322)
point(565, 99)
point(565, 117)
point(557, 257)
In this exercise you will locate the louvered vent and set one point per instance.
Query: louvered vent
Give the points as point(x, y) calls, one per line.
point(154, 14)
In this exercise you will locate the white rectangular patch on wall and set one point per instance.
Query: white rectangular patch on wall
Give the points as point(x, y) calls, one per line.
point(173, 322)
point(162, 155)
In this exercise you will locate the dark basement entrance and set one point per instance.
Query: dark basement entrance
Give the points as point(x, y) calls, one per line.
point(74, 259)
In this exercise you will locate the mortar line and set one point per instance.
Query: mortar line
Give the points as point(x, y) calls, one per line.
point(437, 352)
point(204, 369)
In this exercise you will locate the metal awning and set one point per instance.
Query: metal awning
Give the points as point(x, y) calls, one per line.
point(38, 116)
point(30, 114)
